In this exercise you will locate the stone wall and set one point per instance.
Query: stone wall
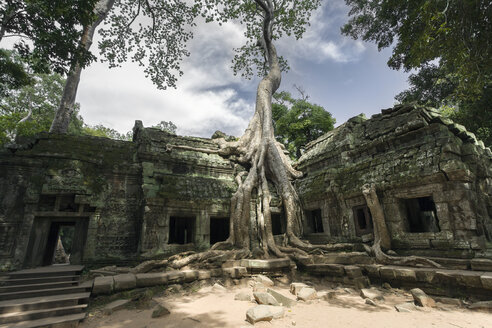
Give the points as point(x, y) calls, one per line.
point(411, 155)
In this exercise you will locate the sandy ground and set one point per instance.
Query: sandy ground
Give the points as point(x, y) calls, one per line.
point(209, 308)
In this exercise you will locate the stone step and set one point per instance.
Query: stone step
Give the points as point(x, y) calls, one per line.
point(36, 280)
point(48, 322)
point(48, 271)
point(46, 285)
point(42, 302)
point(45, 292)
point(13, 317)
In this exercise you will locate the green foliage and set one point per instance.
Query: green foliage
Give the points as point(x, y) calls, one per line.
point(13, 74)
point(153, 33)
point(50, 31)
point(298, 121)
point(455, 33)
point(100, 130)
point(41, 98)
point(169, 127)
point(290, 18)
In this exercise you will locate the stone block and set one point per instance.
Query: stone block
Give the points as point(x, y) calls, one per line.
point(203, 275)
point(264, 280)
point(103, 285)
point(243, 296)
point(372, 270)
point(425, 275)
point(265, 298)
point(267, 265)
point(387, 273)
point(361, 282)
point(264, 313)
point(422, 299)
point(175, 277)
point(468, 279)
point(124, 281)
point(372, 294)
point(235, 272)
point(404, 274)
point(307, 294)
point(332, 270)
point(115, 306)
point(481, 264)
point(295, 287)
point(486, 280)
point(190, 275)
point(151, 279)
point(353, 271)
point(443, 278)
point(282, 299)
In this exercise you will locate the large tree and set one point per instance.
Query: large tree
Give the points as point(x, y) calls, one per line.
point(152, 32)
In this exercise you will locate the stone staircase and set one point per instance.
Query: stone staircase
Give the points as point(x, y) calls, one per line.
point(43, 297)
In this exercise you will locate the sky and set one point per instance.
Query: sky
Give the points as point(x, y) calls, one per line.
point(347, 77)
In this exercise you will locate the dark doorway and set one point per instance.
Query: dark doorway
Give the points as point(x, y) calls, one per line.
point(315, 223)
point(219, 229)
point(44, 236)
point(363, 220)
point(65, 232)
point(421, 215)
point(181, 230)
point(278, 224)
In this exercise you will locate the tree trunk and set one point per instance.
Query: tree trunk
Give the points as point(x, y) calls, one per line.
point(65, 109)
point(381, 234)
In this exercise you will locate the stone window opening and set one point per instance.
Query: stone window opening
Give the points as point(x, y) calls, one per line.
point(421, 215)
point(314, 220)
point(181, 230)
point(219, 229)
point(67, 204)
point(278, 224)
point(363, 220)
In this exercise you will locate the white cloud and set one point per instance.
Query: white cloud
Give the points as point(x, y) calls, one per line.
point(205, 99)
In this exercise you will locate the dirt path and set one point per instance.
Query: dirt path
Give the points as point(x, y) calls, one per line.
point(209, 308)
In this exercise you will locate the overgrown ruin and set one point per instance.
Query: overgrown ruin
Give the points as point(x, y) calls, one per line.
point(129, 201)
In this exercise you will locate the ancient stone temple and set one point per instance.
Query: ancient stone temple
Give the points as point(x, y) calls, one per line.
point(125, 201)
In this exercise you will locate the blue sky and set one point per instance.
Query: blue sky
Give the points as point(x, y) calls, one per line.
point(345, 76)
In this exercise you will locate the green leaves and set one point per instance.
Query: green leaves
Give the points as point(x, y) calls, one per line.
point(298, 121)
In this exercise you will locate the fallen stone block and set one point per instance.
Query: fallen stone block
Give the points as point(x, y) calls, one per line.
point(484, 305)
point(327, 295)
point(151, 279)
point(235, 272)
point(282, 299)
point(115, 306)
point(372, 294)
point(259, 287)
point(370, 302)
point(103, 285)
point(264, 313)
point(243, 296)
point(448, 301)
point(160, 311)
point(307, 294)
point(264, 280)
point(124, 281)
point(218, 288)
point(421, 298)
point(405, 307)
point(203, 275)
point(265, 298)
point(295, 287)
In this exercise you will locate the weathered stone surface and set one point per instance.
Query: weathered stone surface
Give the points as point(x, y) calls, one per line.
point(483, 305)
point(259, 287)
point(235, 272)
point(361, 282)
point(405, 274)
point(103, 285)
point(264, 280)
point(124, 281)
point(259, 313)
point(333, 270)
point(243, 296)
point(421, 298)
point(372, 294)
point(281, 298)
point(218, 288)
point(265, 298)
point(405, 307)
point(353, 271)
point(175, 277)
point(160, 311)
point(267, 265)
point(481, 264)
point(486, 280)
point(151, 279)
point(448, 301)
point(295, 287)
point(203, 275)
point(369, 301)
point(115, 306)
point(190, 275)
point(307, 294)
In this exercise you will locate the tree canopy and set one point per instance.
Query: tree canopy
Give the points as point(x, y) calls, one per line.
point(298, 121)
point(456, 34)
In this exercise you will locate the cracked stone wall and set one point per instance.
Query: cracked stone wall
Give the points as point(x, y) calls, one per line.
point(407, 153)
